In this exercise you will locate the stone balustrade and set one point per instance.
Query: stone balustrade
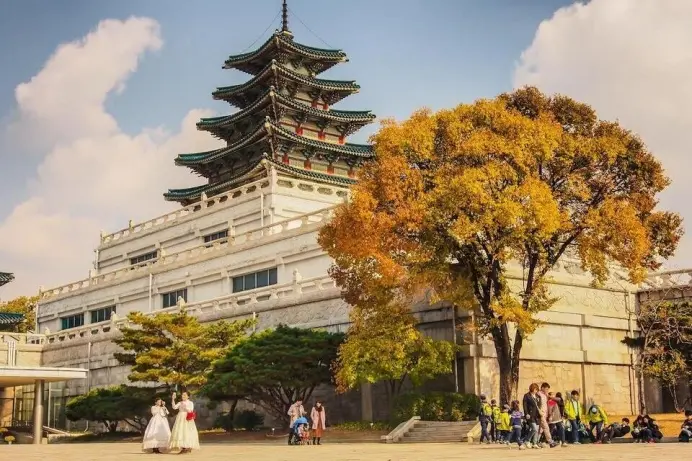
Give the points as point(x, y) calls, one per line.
point(224, 198)
point(668, 279)
point(22, 338)
point(236, 304)
point(203, 249)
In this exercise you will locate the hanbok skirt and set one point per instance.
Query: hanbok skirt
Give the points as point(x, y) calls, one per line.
point(157, 434)
point(184, 434)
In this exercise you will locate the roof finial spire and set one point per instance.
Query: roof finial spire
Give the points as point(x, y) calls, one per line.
point(284, 17)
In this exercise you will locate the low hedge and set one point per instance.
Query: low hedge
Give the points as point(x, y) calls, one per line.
point(435, 406)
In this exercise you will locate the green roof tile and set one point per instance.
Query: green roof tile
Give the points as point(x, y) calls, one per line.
point(5, 277)
point(7, 318)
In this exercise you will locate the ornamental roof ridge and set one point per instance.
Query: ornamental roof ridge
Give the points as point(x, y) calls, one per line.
point(6, 277)
point(279, 40)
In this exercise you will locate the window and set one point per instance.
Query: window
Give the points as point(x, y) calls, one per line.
point(73, 321)
point(216, 236)
point(101, 315)
point(143, 258)
point(171, 299)
point(255, 280)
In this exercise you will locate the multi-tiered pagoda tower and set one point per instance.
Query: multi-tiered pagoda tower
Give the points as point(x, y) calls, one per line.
point(285, 121)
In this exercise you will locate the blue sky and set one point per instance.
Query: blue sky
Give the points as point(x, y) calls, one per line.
point(73, 164)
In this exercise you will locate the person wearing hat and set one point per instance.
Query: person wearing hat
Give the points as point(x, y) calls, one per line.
point(485, 414)
point(503, 426)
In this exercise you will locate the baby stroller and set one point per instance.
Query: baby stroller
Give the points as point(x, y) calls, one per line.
point(295, 436)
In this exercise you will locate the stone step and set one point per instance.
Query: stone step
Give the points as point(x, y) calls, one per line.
point(446, 423)
point(435, 430)
point(432, 440)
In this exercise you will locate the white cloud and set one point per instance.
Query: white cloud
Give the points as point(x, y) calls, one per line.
point(632, 61)
point(92, 175)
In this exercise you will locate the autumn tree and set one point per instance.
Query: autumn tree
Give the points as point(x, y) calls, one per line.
point(25, 305)
point(664, 343)
point(383, 344)
point(456, 196)
point(175, 349)
point(275, 367)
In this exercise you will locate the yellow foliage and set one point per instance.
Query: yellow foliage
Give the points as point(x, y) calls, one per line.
point(453, 196)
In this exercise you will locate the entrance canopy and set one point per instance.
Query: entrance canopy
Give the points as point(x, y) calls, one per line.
point(23, 376)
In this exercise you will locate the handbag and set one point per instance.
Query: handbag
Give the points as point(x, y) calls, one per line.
point(191, 416)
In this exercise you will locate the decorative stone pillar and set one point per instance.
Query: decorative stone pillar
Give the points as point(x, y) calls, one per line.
point(38, 411)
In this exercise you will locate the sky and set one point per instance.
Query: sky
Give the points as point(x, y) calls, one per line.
point(98, 97)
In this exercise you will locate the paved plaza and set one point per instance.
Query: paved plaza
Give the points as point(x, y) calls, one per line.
point(347, 452)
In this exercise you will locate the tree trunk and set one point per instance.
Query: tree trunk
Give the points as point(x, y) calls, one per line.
point(507, 385)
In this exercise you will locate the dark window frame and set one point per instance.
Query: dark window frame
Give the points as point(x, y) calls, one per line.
point(105, 312)
point(170, 299)
point(251, 281)
point(135, 260)
point(72, 321)
point(209, 238)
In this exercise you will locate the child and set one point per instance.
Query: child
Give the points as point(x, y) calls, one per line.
point(295, 433)
point(304, 434)
point(686, 432)
point(555, 419)
point(485, 414)
point(616, 430)
point(516, 420)
point(496, 412)
point(503, 426)
point(598, 419)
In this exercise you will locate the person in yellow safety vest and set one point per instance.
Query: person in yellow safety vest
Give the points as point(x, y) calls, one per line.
point(485, 415)
point(573, 413)
point(598, 419)
point(503, 425)
point(495, 419)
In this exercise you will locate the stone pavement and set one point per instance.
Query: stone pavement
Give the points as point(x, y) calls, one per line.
point(348, 452)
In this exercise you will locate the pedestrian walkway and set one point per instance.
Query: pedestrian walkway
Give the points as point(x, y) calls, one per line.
point(349, 452)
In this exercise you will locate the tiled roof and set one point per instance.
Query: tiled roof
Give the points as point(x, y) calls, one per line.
point(274, 68)
point(7, 318)
point(210, 189)
point(280, 42)
point(267, 129)
point(271, 96)
point(5, 277)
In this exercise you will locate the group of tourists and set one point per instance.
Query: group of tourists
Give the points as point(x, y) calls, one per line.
point(545, 419)
point(302, 431)
point(184, 437)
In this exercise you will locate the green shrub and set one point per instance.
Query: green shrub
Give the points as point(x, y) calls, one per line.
point(248, 420)
point(224, 421)
point(362, 426)
point(435, 406)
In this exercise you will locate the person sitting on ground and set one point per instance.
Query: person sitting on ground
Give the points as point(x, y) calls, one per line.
point(656, 434)
point(516, 422)
point(640, 429)
point(686, 429)
point(555, 419)
point(614, 430)
point(598, 419)
point(649, 431)
point(503, 426)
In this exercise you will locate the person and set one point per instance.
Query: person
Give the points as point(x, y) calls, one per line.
point(532, 413)
point(614, 430)
point(555, 419)
point(157, 435)
point(640, 429)
point(686, 429)
point(598, 419)
point(516, 419)
point(494, 420)
point(573, 412)
point(484, 415)
point(503, 425)
point(184, 434)
point(304, 434)
point(295, 411)
point(318, 415)
point(655, 432)
point(297, 430)
point(561, 404)
point(544, 428)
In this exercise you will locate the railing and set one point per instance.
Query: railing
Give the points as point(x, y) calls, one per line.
point(209, 248)
point(226, 198)
point(180, 213)
point(238, 304)
point(669, 279)
point(22, 338)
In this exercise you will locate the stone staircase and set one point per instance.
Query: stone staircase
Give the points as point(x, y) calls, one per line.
point(417, 431)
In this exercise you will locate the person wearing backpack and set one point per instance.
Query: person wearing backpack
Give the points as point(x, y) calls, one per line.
point(573, 412)
point(495, 421)
point(485, 416)
point(598, 419)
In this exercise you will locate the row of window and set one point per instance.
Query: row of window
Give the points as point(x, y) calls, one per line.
point(155, 254)
point(240, 283)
